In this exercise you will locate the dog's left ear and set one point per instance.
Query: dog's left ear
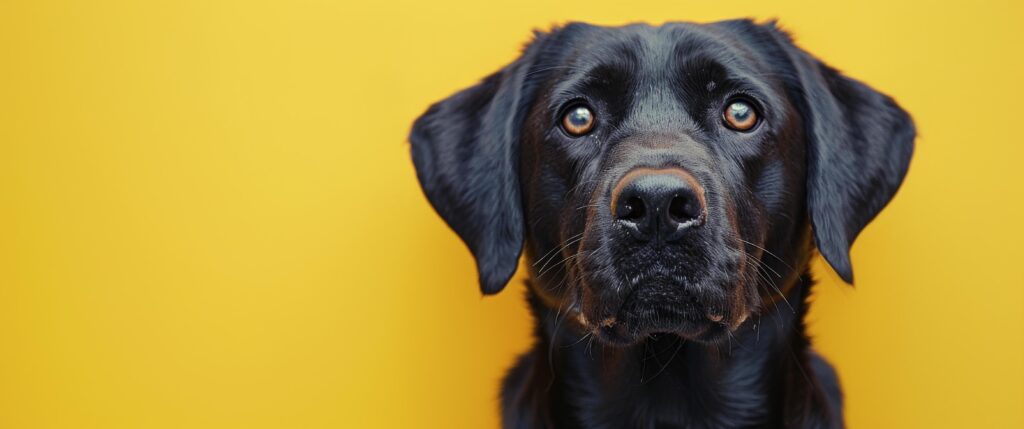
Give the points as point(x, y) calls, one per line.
point(466, 152)
point(859, 147)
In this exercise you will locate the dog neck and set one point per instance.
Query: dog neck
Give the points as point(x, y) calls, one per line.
point(570, 380)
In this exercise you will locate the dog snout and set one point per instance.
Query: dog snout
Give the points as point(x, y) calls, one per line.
point(658, 204)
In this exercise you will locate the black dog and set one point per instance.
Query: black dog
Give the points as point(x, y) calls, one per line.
point(669, 186)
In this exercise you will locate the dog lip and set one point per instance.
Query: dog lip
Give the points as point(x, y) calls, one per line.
point(582, 318)
point(621, 335)
point(628, 328)
point(617, 335)
point(629, 318)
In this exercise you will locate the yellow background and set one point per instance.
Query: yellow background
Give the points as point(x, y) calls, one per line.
point(208, 217)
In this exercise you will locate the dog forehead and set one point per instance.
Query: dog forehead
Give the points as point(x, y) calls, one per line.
point(648, 47)
point(645, 56)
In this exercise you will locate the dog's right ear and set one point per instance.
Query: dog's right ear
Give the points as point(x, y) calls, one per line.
point(466, 152)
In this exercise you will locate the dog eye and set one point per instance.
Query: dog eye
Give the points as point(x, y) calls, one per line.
point(740, 116)
point(578, 121)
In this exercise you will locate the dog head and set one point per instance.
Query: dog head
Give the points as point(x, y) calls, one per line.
point(662, 179)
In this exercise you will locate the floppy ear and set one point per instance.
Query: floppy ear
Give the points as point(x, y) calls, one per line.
point(859, 147)
point(466, 152)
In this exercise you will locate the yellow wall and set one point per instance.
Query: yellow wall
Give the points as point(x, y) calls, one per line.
point(208, 217)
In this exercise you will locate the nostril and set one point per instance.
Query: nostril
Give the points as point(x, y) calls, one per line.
point(682, 209)
point(633, 209)
point(657, 204)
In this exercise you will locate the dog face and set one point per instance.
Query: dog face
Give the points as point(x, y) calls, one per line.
point(663, 179)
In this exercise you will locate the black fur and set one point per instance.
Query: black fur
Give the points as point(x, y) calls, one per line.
point(700, 332)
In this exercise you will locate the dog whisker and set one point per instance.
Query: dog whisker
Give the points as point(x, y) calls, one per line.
point(572, 240)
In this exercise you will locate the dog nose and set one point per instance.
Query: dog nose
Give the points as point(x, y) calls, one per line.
point(658, 204)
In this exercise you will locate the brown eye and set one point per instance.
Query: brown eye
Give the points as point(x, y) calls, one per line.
point(578, 121)
point(740, 116)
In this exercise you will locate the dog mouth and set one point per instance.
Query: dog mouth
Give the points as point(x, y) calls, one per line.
point(651, 310)
point(613, 332)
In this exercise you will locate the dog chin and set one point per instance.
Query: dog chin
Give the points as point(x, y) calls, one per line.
point(621, 335)
point(629, 329)
point(659, 306)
